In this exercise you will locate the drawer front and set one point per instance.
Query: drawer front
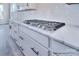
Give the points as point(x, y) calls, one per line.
point(14, 35)
point(61, 48)
point(14, 27)
point(21, 38)
point(32, 48)
point(35, 35)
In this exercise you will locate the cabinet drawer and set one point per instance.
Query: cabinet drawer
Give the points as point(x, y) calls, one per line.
point(21, 38)
point(59, 48)
point(14, 27)
point(14, 35)
point(35, 35)
point(32, 48)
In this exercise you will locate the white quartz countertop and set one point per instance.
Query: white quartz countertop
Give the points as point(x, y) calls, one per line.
point(68, 34)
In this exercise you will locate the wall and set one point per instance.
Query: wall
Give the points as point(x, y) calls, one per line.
point(6, 13)
point(53, 12)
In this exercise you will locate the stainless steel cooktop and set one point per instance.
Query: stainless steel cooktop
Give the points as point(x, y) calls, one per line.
point(45, 25)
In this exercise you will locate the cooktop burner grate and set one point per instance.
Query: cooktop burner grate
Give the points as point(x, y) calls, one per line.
point(45, 25)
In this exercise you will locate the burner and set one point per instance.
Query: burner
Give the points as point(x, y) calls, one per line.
point(45, 25)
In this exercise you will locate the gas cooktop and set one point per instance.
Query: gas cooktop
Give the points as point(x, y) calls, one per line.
point(45, 25)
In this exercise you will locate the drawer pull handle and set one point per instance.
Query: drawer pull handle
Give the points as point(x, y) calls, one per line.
point(36, 52)
point(21, 37)
point(21, 48)
point(10, 27)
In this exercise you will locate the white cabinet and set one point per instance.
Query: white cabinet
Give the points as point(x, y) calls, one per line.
point(40, 38)
point(14, 32)
point(33, 43)
point(61, 49)
point(27, 45)
point(31, 48)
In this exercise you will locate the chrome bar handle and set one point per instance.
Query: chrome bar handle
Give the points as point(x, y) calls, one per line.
point(36, 52)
